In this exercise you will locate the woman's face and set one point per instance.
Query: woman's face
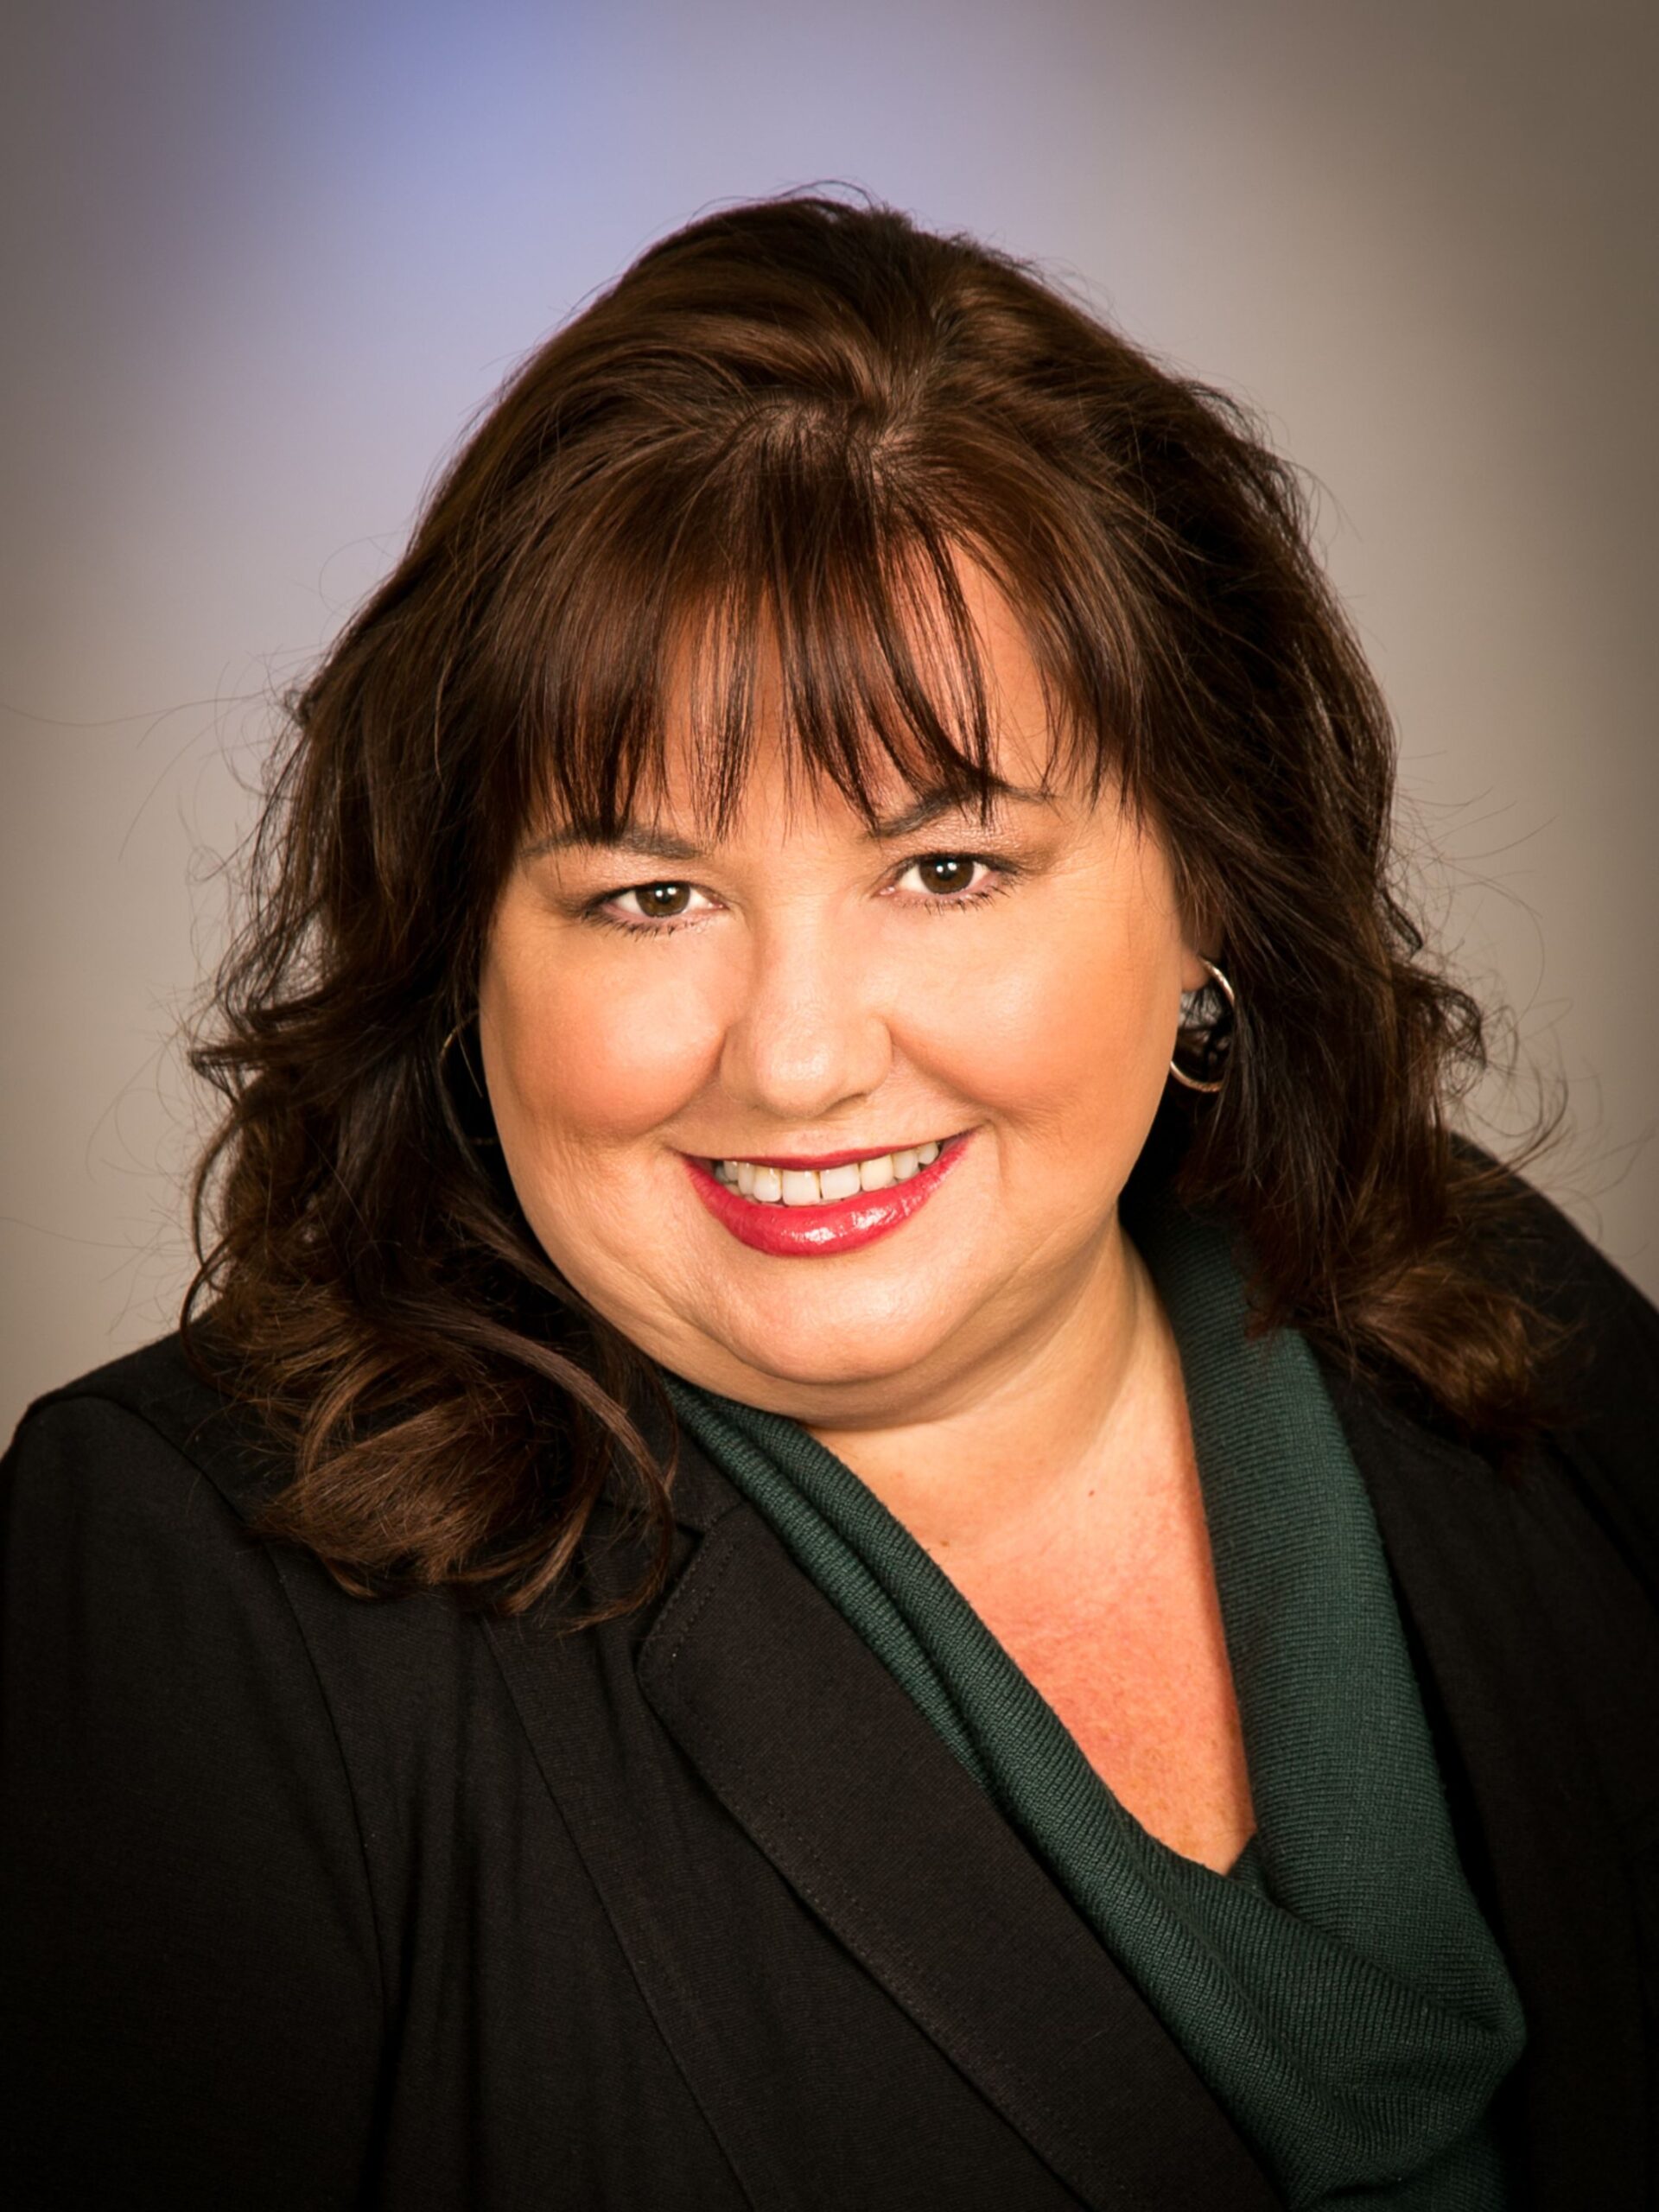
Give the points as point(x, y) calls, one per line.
point(802, 990)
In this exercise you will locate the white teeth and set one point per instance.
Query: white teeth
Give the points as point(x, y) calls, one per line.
point(808, 1186)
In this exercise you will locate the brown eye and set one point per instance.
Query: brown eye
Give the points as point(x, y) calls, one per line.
point(660, 901)
point(943, 874)
point(642, 906)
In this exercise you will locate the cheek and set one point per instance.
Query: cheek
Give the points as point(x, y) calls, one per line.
point(1074, 1038)
point(567, 1064)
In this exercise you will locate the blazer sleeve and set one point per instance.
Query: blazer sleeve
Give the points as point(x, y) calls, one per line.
point(190, 2003)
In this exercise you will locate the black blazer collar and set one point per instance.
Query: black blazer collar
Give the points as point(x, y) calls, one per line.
point(813, 1748)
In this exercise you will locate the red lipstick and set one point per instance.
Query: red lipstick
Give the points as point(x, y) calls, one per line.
point(842, 1225)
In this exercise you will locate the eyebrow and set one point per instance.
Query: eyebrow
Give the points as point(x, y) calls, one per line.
point(654, 843)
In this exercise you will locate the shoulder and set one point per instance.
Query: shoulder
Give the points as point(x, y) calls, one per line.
point(133, 1559)
point(1605, 1378)
point(126, 1497)
point(134, 1494)
point(146, 1418)
point(130, 1508)
point(1605, 1382)
point(125, 1501)
point(1550, 1258)
point(1600, 1377)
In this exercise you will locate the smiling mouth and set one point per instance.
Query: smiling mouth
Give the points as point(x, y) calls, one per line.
point(792, 1183)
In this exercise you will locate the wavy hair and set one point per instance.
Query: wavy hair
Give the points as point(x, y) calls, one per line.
point(785, 423)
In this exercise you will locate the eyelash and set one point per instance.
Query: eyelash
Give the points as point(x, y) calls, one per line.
point(942, 902)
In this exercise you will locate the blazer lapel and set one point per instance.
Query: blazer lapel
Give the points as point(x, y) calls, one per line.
point(826, 1762)
point(1480, 1574)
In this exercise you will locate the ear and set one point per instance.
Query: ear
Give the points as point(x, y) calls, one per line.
point(1201, 932)
point(1199, 936)
point(1194, 975)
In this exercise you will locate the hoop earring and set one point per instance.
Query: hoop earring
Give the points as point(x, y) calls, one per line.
point(1211, 1045)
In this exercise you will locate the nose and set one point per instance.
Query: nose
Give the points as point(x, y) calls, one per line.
point(809, 1030)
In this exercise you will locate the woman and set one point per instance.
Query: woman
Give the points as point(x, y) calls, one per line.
point(859, 1508)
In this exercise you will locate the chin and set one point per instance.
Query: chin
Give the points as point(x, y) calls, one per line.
point(811, 1353)
point(816, 1372)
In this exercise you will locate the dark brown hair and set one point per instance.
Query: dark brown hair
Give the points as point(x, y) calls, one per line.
point(786, 423)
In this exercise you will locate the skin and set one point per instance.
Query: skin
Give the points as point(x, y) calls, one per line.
point(998, 1369)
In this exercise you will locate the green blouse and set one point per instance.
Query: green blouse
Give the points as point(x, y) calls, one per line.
point(1338, 1991)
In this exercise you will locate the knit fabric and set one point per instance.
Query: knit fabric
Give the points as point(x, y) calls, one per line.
point(1339, 1992)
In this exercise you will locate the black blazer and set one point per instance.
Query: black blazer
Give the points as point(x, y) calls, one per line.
point(312, 1902)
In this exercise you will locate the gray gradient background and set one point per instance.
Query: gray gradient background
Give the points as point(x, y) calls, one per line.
point(264, 264)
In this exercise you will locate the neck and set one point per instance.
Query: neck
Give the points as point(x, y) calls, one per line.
point(1014, 1447)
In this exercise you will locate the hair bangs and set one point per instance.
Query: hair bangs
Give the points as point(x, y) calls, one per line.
point(791, 588)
